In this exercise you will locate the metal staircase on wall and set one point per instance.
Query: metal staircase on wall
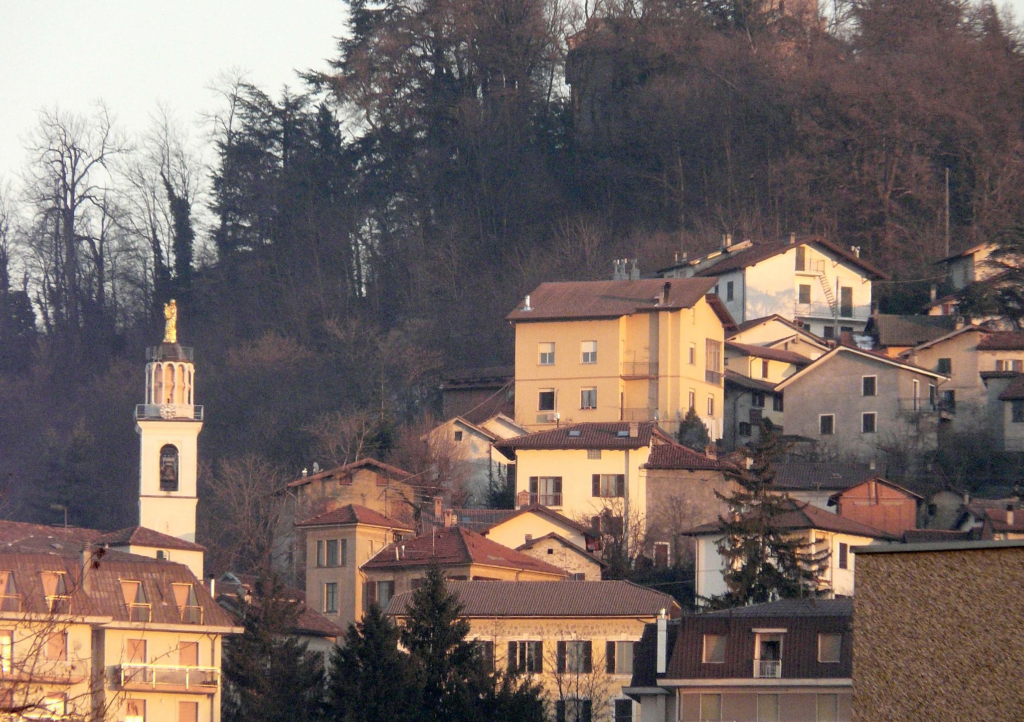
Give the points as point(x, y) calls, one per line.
point(827, 288)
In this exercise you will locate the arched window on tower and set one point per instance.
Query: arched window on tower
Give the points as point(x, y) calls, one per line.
point(169, 468)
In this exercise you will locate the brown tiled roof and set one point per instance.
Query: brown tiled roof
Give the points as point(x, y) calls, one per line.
point(877, 356)
point(922, 536)
point(774, 354)
point(722, 311)
point(677, 456)
point(598, 435)
point(763, 251)
point(823, 475)
point(1002, 341)
point(16, 531)
point(798, 607)
point(143, 537)
point(878, 480)
point(545, 511)
point(308, 622)
point(806, 516)
point(908, 330)
point(609, 299)
point(553, 599)
point(354, 514)
point(565, 542)
point(1014, 391)
point(383, 469)
point(747, 325)
point(455, 546)
point(748, 383)
point(479, 378)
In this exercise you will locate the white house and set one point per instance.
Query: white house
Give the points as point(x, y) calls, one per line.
point(813, 281)
point(472, 445)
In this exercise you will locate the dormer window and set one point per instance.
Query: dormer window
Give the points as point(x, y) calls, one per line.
point(139, 609)
point(169, 468)
point(188, 604)
point(55, 587)
point(10, 601)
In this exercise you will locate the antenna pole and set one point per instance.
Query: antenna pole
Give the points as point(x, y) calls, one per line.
point(947, 212)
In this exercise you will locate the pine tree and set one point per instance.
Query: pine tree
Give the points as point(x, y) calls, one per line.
point(692, 431)
point(269, 674)
point(762, 561)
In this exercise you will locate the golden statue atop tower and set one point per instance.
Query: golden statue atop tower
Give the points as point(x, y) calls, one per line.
point(171, 327)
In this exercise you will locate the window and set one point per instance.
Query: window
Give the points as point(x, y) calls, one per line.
point(931, 395)
point(714, 649)
point(546, 400)
point(332, 552)
point(135, 600)
point(188, 654)
point(331, 598)
point(188, 605)
point(1018, 411)
point(321, 560)
point(162, 555)
point(135, 651)
point(574, 657)
point(56, 649)
point(623, 710)
point(844, 555)
point(764, 369)
point(804, 293)
point(777, 403)
point(827, 424)
point(767, 708)
point(618, 657)
point(56, 590)
point(458, 436)
point(188, 712)
point(712, 359)
point(868, 384)
point(588, 352)
point(169, 468)
point(546, 490)
point(867, 422)
point(691, 400)
point(485, 653)
point(917, 394)
point(6, 649)
point(828, 708)
point(711, 405)
point(828, 332)
point(385, 590)
point(588, 398)
point(692, 358)
point(711, 707)
point(135, 710)
point(608, 485)
point(728, 291)
point(661, 554)
point(757, 399)
point(845, 301)
point(744, 428)
point(573, 710)
point(829, 647)
point(949, 400)
point(846, 329)
point(801, 258)
point(547, 353)
point(944, 366)
point(1010, 365)
point(593, 453)
point(526, 657)
point(755, 417)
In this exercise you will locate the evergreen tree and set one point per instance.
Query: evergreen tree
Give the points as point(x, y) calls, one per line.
point(269, 674)
point(1003, 293)
point(371, 678)
point(762, 561)
point(692, 431)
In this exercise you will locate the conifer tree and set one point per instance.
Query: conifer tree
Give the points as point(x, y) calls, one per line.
point(692, 431)
point(763, 562)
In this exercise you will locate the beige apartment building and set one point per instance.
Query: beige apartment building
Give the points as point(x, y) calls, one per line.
point(622, 350)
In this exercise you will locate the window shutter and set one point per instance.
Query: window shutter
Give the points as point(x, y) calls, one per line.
point(588, 657)
point(557, 484)
point(540, 657)
point(595, 485)
point(511, 661)
point(609, 657)
point(621, 485)
point(391, 588)
point(561, 657)
point(369, 594)
point(533, 484)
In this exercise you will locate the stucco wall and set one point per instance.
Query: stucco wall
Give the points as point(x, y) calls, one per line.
point(679, 500)
point(552, 551)
point(513, 532)
point(938, 636)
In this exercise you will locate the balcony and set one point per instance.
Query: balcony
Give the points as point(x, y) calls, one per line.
point(714, 377)
point(59, 603)
point(170, 352)
point(926, 406)
point(825, 311)
point(767, 668)
point(639, 370)
point(171, 678)
point(641, 414)
point(192, 614)
point(546, 499)
point(140, 612)
point(168, 412)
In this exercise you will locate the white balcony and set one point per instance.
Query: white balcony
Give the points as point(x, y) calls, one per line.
point(141, 677)
point(169, 412)
point(767, 668)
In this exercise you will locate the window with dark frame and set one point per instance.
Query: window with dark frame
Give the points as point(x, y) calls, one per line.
point(804, 294)
point(458, 436)
point(574, 657)
point(944, 366)
point(777, 404)
point(844, 555)
point(608, 485)
point(826, 424)
point(846, 301)
point(169, 468)
point(867, 422)
point(744, 428)
point(868, 385)
point(829, 647)
point(623, 710)
point(525, 657)
point(728, 291)
point(546, 400)
point(828, 333)
point(801, 258)
point(588, 398)
point(331, 598)
point(757, 399)
point(764, 368)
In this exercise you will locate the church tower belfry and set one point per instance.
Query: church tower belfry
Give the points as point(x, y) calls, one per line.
point(168, 424)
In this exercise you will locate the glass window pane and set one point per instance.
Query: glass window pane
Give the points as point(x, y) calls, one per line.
point(829, 646)
point(714, 648)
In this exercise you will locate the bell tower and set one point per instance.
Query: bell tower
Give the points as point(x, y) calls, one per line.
point(168, 425)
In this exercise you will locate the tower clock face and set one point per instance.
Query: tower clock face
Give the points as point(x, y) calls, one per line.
point(167, 411)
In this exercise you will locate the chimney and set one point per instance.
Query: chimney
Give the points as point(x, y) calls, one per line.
point(449, 518)
point(634, 271)
point(855, 250)
point(665, 289)
point(933, 293)
point(438, 506)
point(792, 239)
point(960, 322)
point(213, 586)
point(967, 498)
point(711, 451)
point(523, 499)
point(305, 473)
point(634, 429)
point(726, 241)
point(1009, 514)
point(90, 560)
point(526, 303)
point(662, 660)
point(871, 465)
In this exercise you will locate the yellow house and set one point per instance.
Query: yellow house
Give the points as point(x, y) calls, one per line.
point(575, 637)
point(543, 534)
point(623, 350)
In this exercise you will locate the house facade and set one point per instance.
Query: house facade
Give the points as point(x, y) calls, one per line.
point(786, 661)
point(822, 285)
point(879, 504)
point(622, 350)
point(576, 638)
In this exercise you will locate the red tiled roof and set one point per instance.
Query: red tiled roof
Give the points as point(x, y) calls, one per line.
point(747, 325)
point(749, 383)
point(774, 354)
point(354, 514)
point(1002, 341)
point(15, 531)
point(342, 471)
point(609, 299)
point(308, 622)
point(455, 546)
point(763, 251)
point(143, 537)
point(722, 311)
point(806, 516)
point(677, 456)
point(552, 599)
point(550, 513)
point(598, 435)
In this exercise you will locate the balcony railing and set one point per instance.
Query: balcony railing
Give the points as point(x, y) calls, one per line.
point(639, 369)
point(767, 668)
point(641, 414)
point(59, 603)
point(824, 310)
point(168, 412)
point(546, 499)
point(925, 406)
point(714, 377)
point(140, 612)
point(10, 602)
point(156, 676)
point(173, 352)
point(192, 614)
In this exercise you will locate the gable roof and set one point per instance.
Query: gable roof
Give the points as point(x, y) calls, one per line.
point(773, 354)
point(966, 252)
point(391, 472)
point(143, 537)
point(758, 252)
point(232, 587)
point(776, 318)
point(455, 546)
point(677, 456)
point(878, 480)
point(596, 435)
point(468, 425)
point(564, 542)
point(908, 330)
point(1002, 341)
point(970, 328)
point(354, 514)
point(798, 516)
point(867, 355)
point(734, 377)
point(1014, 391)
point(800, 475)
point(609, 299)
point(549, 513)
point(552, 599)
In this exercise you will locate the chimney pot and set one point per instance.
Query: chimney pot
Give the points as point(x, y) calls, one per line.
point(933, 293)
point(711, 451)
point(665, 289)
point(871, 465)
point(449, 518)
point(634, 429)
point(792, 239)
point(728, 240)
point(662, 656)
point(305, 473)
point(526, 303)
